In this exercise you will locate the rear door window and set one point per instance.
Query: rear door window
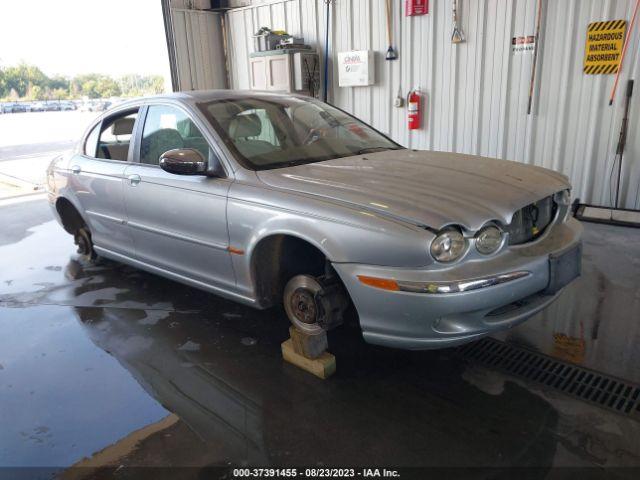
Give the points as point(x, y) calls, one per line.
point(116, 135)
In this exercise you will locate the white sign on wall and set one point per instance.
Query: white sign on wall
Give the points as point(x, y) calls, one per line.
point(356, 69)
point(523, 45)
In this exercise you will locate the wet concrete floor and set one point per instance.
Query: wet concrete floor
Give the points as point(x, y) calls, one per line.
point(107, 365)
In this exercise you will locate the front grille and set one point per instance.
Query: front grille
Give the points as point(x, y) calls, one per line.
point(530, 222)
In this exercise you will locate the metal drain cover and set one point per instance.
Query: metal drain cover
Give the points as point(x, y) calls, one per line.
point(594, 387)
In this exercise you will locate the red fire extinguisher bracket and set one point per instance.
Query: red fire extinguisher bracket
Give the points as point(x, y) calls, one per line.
point(416, 7)
point(416, 102)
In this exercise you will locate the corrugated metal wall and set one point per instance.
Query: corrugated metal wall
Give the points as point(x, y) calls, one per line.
point(477, 91)
point(199, 42)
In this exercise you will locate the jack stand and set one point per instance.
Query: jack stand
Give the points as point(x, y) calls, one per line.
point(309, 352)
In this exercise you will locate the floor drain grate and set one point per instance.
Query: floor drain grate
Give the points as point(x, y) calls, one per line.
point(603, 390)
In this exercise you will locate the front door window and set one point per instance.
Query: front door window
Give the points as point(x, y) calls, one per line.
point(167, 128)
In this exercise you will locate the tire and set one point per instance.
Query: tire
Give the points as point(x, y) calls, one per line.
point(300, 304)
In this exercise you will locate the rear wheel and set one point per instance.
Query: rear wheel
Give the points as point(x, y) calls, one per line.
point(82, 238)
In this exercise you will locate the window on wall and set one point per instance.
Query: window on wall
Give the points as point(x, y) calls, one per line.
point(167, 128)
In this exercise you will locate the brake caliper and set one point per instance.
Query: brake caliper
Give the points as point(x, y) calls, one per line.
point(331, 301)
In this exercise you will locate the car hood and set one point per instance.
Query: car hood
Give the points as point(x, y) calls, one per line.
point(431, 189)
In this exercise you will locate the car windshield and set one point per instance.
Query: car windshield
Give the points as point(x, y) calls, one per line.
point(275, 132)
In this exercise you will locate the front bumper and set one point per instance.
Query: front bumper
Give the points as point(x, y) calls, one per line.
point(426, 319)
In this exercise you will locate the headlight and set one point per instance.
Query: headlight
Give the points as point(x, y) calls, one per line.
point(488, 240)
point(448, 246)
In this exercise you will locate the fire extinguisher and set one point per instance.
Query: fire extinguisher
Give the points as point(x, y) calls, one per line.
point(413, 109)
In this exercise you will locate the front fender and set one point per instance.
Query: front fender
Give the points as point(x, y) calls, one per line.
point(343, 234)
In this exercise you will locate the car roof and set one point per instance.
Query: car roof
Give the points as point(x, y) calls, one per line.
point(198, 96)
point(194, 97)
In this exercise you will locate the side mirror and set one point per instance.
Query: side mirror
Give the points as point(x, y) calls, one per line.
point(184, 161)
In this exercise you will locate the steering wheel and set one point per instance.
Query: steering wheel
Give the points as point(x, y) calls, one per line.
point(313, 136)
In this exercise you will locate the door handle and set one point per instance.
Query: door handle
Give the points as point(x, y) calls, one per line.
point(134, 180)
point(76, 169)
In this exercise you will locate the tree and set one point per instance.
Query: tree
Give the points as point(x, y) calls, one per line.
point(23, 76)
point(3, 84)
point(60, 94)
point(94, 85)
point(107, 87)
point(16, 81)
point(157, 84)
point(28, 81)
point(36, 92)
point(58, 82)
point(88, 89)
point(138, 85)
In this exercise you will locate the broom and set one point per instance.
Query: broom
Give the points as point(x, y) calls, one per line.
point(391, 52)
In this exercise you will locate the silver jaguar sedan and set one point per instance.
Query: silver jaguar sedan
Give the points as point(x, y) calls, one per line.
point(273, 199)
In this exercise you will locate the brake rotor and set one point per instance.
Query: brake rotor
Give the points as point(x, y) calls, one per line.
point(82, 239)
point(300, 303)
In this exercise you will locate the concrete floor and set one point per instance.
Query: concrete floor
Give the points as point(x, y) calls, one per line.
point(107, 366)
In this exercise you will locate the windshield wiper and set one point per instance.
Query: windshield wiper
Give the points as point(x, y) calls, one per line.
point(374, 149)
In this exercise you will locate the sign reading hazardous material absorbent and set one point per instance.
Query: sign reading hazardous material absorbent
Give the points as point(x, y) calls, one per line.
point(604, 47)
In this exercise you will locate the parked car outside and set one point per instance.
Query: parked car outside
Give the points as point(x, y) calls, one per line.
point(18, 107)
point(272, 199)
point(67, 106)
point(102, 106)
point(53, 106)
point(95, 106)
point(38, 107)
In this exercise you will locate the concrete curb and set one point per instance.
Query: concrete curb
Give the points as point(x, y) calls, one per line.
point(11, 187)
point(18, 182)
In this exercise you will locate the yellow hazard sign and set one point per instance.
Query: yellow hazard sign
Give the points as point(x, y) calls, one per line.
point(603, 50)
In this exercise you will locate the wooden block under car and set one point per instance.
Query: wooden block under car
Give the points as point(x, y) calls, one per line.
point(310, 346)
point(323, 367)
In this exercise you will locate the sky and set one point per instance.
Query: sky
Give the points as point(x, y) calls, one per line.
point(71, 37)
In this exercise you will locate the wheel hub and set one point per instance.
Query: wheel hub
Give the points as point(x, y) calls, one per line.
point(300, 303)
point(82, 243)
point(303, 306)
point(82, 239)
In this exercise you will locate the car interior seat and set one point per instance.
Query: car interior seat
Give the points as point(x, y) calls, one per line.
point(241, 128)
point(119, 149)
point(159, 142)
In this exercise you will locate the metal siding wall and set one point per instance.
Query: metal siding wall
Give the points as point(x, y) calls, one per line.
point(477, 91)
point(200, 54)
